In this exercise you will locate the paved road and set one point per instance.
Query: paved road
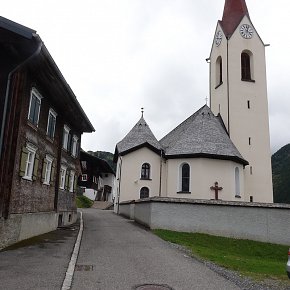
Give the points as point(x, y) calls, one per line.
point(117, 254)
point(39, 263)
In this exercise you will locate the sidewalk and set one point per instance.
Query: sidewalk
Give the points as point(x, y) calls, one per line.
point(38, 263)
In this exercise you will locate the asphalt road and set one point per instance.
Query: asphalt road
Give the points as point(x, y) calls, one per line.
point(39, 263)
point(118, 254)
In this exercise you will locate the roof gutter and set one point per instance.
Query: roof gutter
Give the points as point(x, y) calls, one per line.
point(37, 51)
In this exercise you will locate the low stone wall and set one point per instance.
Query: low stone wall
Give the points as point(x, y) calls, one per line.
point(254, 221)
point(19, 227)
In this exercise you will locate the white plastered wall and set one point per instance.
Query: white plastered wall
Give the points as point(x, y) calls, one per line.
point(244, 122)
point(131, 183)
point(204, 173)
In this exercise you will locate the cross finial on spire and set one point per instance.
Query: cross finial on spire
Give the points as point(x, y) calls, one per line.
point(206, 99)
point(142, 111)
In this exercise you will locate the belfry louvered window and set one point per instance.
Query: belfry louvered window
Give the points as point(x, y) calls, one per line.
point(246, 66)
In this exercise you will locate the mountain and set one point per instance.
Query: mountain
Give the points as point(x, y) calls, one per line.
point(281, 174)
point(108, 156)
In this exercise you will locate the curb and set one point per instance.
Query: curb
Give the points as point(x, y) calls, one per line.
point(66, 285)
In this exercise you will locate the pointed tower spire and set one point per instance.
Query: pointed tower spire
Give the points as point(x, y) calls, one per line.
point(234, 11)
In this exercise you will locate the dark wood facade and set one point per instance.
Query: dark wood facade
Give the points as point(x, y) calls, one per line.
point(93, 169)
point(27, 66)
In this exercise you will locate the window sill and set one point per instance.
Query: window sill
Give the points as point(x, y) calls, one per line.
point(238, 196)
point(33, 126)
point(218, 85)
point(46, 183)
point(145, 178)
point(27, 178)
point(248, 80)
point(183, 192)
point(49, 139)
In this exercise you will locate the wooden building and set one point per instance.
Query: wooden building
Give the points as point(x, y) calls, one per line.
point(41, 127)
point(97, 179)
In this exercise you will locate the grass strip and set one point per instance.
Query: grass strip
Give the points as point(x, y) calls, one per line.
point(250, 258)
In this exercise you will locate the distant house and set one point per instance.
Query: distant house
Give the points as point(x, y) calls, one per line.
point(97, 178)
point(41, 127)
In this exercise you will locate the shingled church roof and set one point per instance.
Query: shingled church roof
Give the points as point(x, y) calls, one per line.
point(201, 135)
point(140, 135)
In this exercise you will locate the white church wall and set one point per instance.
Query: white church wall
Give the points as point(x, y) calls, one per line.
point(218, 102)
point(204, 173)
point(131, 181)
point(255, 121)
point(248, 109)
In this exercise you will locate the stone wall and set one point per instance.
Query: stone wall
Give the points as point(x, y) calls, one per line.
point(254, 221)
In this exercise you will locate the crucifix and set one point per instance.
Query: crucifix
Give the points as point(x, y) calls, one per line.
point(216, 189)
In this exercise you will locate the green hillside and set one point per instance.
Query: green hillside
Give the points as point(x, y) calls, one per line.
point(281, 174)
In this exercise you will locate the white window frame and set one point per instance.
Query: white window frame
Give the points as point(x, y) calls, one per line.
point(54, 115)
point(35, 93)
point(71, 181)
point(95, 180)
point(47, 175)
point(62, 175)
point(237, 182)
point(30, 161)
point(84, 177)
point(74, 145)
point(66, 130)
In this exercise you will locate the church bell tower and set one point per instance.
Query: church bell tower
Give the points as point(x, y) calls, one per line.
point(238, 92)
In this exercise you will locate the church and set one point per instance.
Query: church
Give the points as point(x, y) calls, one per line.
point(221, 152)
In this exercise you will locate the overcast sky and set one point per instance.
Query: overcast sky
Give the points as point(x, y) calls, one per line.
point(121, 55)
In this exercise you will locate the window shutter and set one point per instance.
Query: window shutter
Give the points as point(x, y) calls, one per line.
point(52, 177)
point(43, 169)
point(67, 180)
point(23, 160)
point(35, 168)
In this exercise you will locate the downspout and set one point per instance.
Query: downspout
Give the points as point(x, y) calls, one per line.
point(119, 187)
point(160, 180)
point(8, 89)
point(228, 87)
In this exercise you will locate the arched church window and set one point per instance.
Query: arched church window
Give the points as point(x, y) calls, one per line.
point(144, 192)
point(237, 182)
point(246, 66)
point(145, 171)
point(219, 71)
point(185, 177)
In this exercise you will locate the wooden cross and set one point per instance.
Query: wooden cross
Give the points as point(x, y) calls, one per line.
point(216, 189)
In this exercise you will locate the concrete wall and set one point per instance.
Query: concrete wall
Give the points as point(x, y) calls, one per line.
point(254, 221)
point(19, 227)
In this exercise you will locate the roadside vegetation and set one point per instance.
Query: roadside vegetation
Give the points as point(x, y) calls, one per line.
point(254, 259)
point(83, 202)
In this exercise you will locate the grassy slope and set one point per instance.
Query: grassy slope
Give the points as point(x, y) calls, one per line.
point(250, 258)
point(83, 202)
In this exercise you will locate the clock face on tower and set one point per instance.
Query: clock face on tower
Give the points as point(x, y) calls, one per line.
point(246, 31)
point(218, 38)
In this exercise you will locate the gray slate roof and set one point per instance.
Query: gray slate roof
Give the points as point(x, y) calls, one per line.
point(140, 135)
point(202, 134)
